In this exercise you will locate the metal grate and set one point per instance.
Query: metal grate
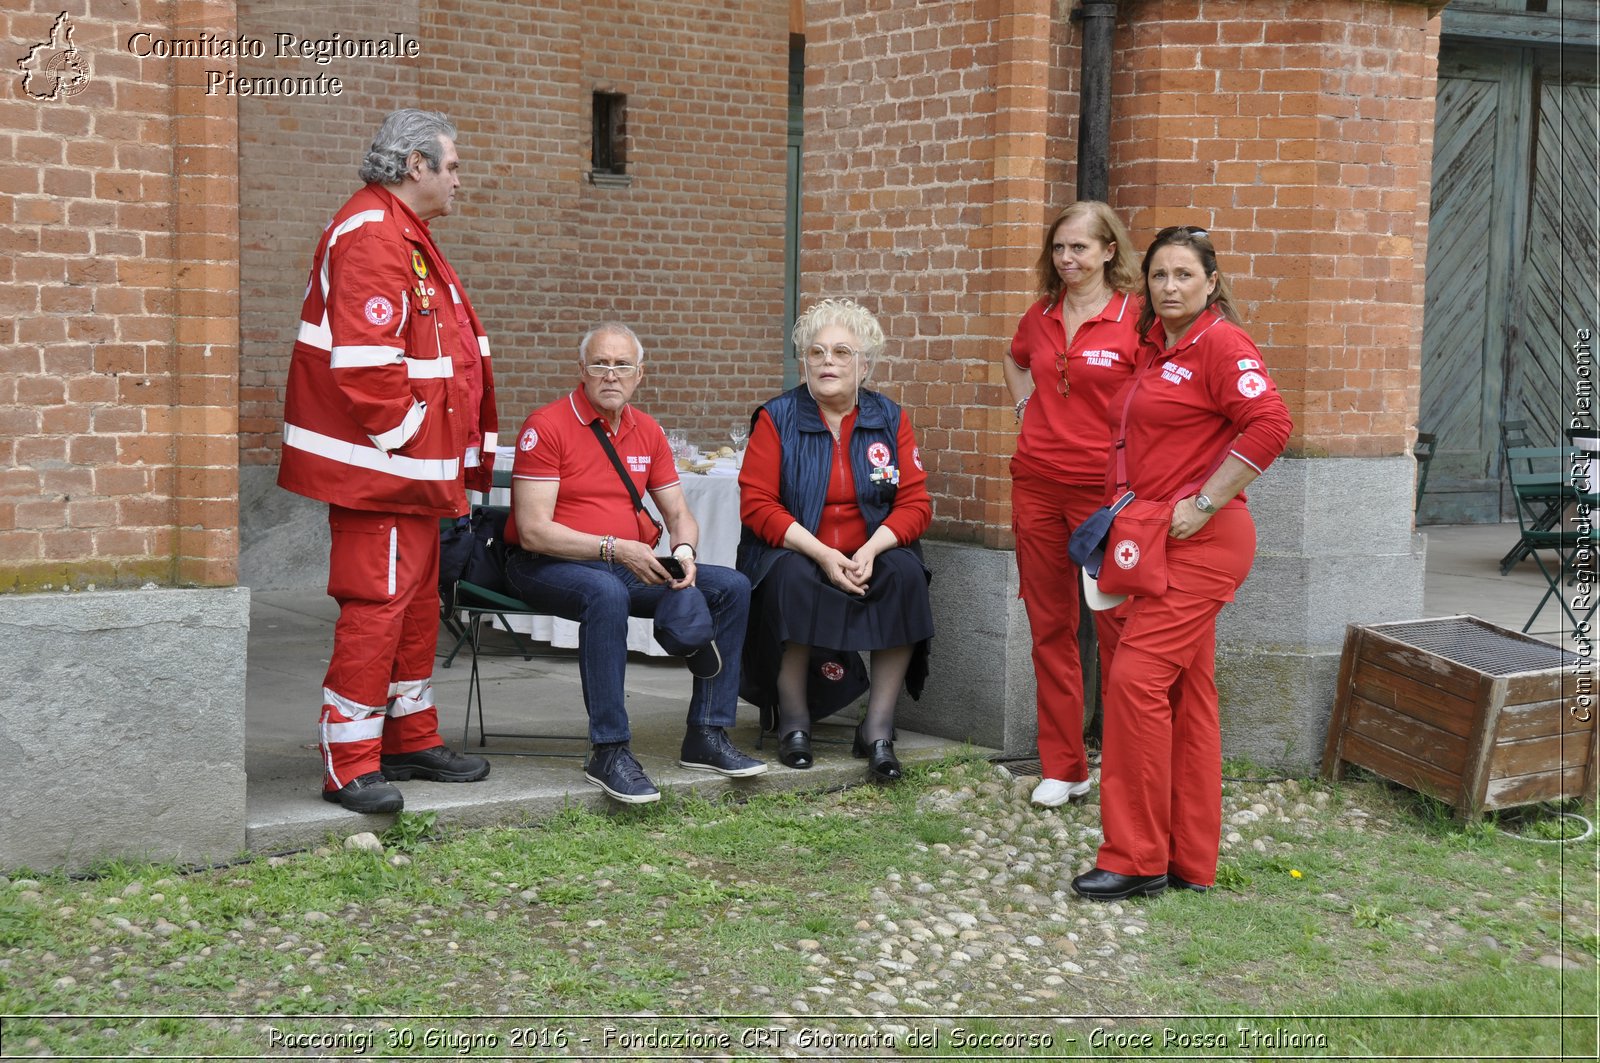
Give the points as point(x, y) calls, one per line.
point(1023, 767)
point(1018, 768)
point(1469, 641)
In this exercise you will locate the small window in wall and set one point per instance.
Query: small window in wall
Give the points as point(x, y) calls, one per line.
point(609, 161)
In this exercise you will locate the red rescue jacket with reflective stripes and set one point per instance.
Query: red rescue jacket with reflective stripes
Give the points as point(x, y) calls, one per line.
point(378, 412)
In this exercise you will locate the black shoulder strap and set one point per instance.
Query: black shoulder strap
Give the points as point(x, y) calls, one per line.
point(616, 463)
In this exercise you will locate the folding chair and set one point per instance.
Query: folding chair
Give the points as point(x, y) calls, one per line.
point(1575, 546)
point(1427, 442)
point(474, 607)
point(1540, 476)
point(502, 503)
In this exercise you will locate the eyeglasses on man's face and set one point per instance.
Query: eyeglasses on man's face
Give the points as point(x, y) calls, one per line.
point(624, 370)
point(842, 353)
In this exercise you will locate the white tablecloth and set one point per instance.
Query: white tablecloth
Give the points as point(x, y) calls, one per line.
point(714, 501)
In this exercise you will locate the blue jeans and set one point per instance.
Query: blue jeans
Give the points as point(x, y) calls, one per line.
point(601, 597)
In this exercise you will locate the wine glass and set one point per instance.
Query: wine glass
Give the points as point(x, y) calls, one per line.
point(739, 433)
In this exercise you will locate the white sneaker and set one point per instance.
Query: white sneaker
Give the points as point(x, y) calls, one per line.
point(1052, 793)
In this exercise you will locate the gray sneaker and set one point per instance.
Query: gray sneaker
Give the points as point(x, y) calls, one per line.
point(708, 749)
point(613, 769)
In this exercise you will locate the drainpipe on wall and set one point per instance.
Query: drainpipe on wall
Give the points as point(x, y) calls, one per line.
point(1099, 18)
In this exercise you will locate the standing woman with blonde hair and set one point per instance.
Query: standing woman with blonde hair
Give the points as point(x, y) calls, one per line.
point(1073, 350)
point(833, 498)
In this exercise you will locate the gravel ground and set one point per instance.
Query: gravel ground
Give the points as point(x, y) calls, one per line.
point(998, 932)
point(1001, 931)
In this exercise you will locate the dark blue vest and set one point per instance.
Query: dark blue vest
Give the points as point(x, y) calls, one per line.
point(807, 465)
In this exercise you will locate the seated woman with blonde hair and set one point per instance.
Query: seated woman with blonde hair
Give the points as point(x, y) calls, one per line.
point(833, 497)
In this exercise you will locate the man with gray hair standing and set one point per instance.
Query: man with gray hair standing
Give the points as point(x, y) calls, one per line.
point(389, 418)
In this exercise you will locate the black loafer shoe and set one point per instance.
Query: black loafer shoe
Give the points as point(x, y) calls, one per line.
point(438, 764)
point(367, 793)
point(1098, 885)
point(794, 751)
point(882, 765)
point(1176, 883)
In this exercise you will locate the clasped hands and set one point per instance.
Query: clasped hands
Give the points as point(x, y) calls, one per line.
point(849, 574)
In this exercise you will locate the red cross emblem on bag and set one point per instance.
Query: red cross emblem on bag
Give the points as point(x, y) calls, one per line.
point(1126, 554)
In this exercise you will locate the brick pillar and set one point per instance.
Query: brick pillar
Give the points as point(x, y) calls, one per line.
point(1301, 135)
point(929, 173)
point(119, 448)
point(205, 244)
point(118, 443)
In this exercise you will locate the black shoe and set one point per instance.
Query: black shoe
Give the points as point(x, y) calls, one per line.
point(708, 749)
point(881, 763)
point(614, 770)
point(1176, 883)
point(704, 662)
point(367, 793)
point(795, 750)
point(438, 764)
point(1098, 885)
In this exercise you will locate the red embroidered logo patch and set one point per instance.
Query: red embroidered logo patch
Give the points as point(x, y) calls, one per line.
point(1252, 384)
point(878, 454)
point(833, 670)
point(379, 310)
point(529, 440)
point(1126, 554)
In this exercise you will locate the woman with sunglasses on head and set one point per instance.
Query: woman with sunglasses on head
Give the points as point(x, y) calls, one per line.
point(833, 497)
point(1072, 351)
point(1201, 420)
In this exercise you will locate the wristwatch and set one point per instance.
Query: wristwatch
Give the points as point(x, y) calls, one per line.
point(1203, 504)
point(683, 552)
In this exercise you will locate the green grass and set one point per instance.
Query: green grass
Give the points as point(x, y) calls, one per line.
point(690, 904)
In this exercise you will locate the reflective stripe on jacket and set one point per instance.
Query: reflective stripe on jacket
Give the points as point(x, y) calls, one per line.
point(368, 414)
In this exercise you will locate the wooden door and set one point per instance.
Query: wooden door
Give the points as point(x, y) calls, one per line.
point(1557, 284)
point(1512, 246)
point(1474, 241)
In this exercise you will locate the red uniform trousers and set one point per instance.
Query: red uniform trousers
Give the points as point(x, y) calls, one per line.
point(1043, 515)
point(1161, 756)
point(378, 694)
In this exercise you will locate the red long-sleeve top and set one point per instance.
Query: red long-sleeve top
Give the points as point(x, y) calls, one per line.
point(842, 526)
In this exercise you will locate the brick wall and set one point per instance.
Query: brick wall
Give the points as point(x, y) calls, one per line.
point(298, 158)
point(936, 146)
point(690, 253)
point(1301, 135)
point(118, 452)
point(940, 136)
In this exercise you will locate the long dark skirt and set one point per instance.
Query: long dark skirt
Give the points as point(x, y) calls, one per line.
point(796, 603)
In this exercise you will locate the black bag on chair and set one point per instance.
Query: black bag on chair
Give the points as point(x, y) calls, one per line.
point(472, 548)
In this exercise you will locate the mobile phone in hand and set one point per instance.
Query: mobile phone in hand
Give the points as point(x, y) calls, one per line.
point(673, 566)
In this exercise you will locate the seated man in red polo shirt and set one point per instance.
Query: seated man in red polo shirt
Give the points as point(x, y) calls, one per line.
point(579, 551)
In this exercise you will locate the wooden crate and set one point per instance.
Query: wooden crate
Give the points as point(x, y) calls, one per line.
point(1475, 715)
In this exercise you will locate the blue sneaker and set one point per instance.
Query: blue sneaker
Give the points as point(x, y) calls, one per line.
point(708, 749)
point(614, 770)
